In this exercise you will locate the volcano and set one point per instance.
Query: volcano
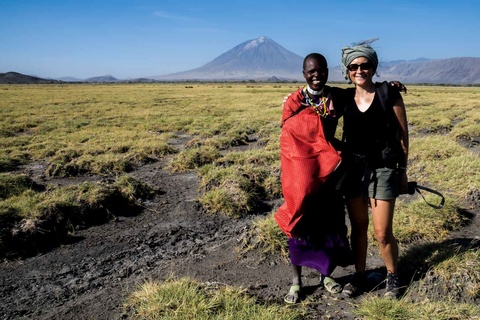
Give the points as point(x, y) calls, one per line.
point(257, 59)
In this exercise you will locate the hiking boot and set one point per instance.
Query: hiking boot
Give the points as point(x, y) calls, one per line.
point(392, 287)
point(355, 286)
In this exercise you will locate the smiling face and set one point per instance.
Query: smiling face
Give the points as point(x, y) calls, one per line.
point(360, 71)
point(315, 72)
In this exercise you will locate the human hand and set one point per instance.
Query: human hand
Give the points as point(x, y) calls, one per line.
point(403, 181)
point(400, 86)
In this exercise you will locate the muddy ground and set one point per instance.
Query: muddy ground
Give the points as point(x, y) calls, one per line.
point(91, 277)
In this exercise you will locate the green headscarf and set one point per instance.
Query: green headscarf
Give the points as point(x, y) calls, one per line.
point(362, 49)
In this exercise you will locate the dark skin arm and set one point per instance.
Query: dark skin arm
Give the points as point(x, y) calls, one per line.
point(400, 86)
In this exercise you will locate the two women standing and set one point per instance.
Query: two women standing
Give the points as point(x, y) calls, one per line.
point(374, 153)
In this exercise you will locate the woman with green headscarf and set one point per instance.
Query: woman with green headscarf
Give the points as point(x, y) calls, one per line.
point(376, 175)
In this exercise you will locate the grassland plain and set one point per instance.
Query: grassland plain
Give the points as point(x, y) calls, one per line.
point(192, 171)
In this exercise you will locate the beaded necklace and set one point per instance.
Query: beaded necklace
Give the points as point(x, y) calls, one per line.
point(320, 107)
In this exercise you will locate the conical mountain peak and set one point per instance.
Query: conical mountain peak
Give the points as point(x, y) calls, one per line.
point(256, 42)
point(258, 58)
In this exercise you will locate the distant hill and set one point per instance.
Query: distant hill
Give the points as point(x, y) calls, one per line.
point(257, 59)
point(106, 78)
point(453, 71)
point(18, 78)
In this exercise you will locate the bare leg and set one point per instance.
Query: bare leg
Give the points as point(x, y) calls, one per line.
point(382, 217)
point(358, 213)
point(297, 275)
point(294, 294)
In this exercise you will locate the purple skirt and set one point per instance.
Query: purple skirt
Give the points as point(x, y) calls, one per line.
point(320, 237)
point(322, 253)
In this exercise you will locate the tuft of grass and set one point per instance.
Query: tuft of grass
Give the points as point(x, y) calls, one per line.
point(231, 190)
point(374, 308)
point(193, 158)
point(266, 235)
point(187, 299)
point(10, 162)
point(230, 198)
point(272, 184)
point(132, 189)
point(14, 184)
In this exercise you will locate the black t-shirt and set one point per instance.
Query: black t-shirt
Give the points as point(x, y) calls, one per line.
point(367, 133)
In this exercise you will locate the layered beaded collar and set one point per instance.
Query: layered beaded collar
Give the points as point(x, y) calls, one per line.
point(320, 104)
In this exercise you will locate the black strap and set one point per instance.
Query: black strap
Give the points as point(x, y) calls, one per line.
point(442, 201)
point(382, 91)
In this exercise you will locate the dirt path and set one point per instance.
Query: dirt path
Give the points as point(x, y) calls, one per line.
point(91, 277)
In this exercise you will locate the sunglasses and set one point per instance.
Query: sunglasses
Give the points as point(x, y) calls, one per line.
point(363, 66)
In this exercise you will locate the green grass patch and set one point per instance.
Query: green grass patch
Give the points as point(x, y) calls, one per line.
point(187, 299)
point(14, 184)
point(194, 158)
point(235, 191)
point(383, 309)
point(266, 236)
point(435, 223)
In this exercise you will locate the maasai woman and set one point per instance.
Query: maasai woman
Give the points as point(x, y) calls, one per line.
point(313, 215)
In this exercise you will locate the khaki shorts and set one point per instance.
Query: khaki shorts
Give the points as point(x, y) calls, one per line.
point(380, 183)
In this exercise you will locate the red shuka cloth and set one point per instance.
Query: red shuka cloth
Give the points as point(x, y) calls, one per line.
point(307, 159)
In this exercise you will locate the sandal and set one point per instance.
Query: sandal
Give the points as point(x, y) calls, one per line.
point(331, 285)
point(293, 295)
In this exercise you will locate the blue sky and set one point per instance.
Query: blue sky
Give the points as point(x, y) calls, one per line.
point(141, 38)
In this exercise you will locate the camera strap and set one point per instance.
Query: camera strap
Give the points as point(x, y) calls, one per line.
point(442, 201)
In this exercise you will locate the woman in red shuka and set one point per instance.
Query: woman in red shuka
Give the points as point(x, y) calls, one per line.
point(313, 215)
